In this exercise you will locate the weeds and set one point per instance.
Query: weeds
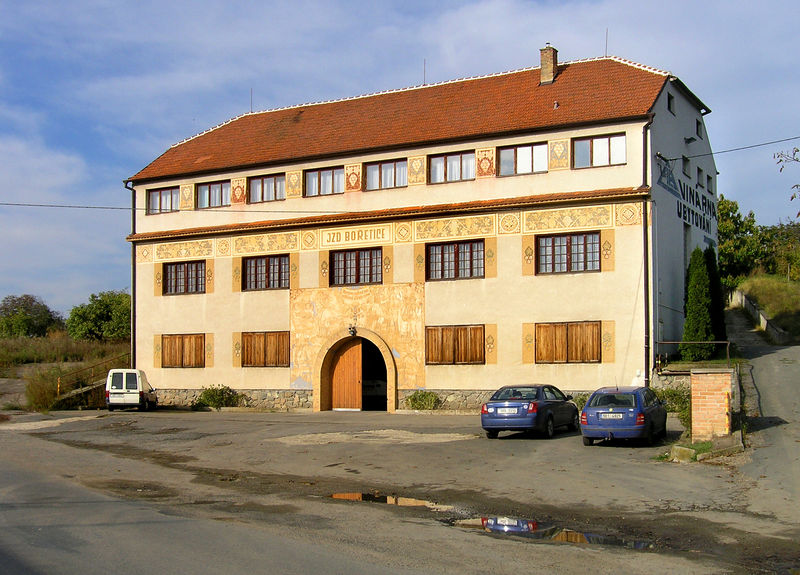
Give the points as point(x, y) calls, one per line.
point(56, 348)
point(423, 400)
point(678, 400)
point(41, 388)
point(218, 397)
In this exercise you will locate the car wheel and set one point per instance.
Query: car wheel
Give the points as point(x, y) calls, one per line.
point(110, 408)
point(491, 434)
point(648, 436)
point(588, 441)
point(663, 433)
point(549, 427)
point(575, 425)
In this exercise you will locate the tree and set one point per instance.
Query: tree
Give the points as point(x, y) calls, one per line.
point(786, 158)
point(107, 317)
point(782, 244)
point(697, 326)
point(740, 243)
point(27, 316)
point(717, 294)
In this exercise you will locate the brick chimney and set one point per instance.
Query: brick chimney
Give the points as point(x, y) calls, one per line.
point(549, 65)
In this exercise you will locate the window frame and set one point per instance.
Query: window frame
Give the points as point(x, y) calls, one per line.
point(225, 197)
point(671, 103)
point(263, 179)
point(193, 360)
point(337, 174)
point(339, 266)
point(256, 284)
point(455, 344)
point(572, 350)
point(609, 152)
point(430, 259)
point(590, 253)
point(533, 146)
point(175, 200)
point(275, 349)
point(686, 166)
point(446, 167)
point(380, 166)
point(184, 276)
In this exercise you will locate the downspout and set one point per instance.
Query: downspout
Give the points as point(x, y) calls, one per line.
point(646, 247)
point(133, 273)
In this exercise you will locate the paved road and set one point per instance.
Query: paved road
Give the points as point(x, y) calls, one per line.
point(774, 466)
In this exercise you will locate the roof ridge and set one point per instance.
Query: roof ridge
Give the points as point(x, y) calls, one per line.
point(417, 87)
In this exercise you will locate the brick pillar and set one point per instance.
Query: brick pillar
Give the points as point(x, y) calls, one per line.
point(712, 390)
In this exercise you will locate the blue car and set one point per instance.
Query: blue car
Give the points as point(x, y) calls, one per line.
point(623, 413)
point(539, 408)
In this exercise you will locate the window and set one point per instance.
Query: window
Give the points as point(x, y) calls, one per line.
point(355, 267)
point(183, 350)
point(184, 277)
point(671, 103)
point(598, 151)
point(454, 344)
point(458, 260)
point(576, 342)
point(163, 201)
point(709, 184)
point(324, 182)
point(265, 349)
point(523, 159)
point(384, 175)
point(686, 166)
point(698, 128)
point(213, 195)
point(452, 167)
point(265, 272)
point(572, 253)
point(267, 188)
point(701, 181)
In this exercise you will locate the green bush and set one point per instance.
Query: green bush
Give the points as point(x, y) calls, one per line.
point(678, 400)
point(218, 396)
point(422, 399)
point(580, 399)
point(698, 324)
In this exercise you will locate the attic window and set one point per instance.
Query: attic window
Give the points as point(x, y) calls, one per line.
point(671, 103)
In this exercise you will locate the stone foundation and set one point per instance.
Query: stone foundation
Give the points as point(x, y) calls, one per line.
point(451, 399)
point(267, 399)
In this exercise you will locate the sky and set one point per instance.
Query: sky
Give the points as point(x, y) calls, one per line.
point(91, 91)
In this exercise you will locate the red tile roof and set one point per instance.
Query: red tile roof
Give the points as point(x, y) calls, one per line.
point(588, 91)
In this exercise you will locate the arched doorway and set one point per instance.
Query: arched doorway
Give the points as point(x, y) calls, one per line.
point(358, 376)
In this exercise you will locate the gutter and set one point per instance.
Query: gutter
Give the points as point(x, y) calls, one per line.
point(127, 184)
point(646, 248)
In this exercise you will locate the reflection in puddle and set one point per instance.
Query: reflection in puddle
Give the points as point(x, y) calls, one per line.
point(535, 530)
point(392, 500)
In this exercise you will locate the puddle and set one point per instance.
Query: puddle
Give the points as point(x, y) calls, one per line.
point(545, 531)
point(392, 500)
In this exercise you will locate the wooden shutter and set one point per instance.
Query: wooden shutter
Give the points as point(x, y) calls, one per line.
point(584, 342)
point(433, 345)
point(469, 347)
point(171, 350)
point(283, 353)
point(271, 344)
point(253, 349)
point(448, 345)
point(551, 343)
point(194, 350)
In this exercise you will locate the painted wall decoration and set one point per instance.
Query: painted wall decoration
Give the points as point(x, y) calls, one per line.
point(471, 226)
point(294, 184)
point(352, 178)
point(485, 163)
point(628, 214)
point(416, 171)
point(509, 224)
point(394, 312)
point(356, 236)
point(309, 240)
point(185, 250)
point(568, 219)
point(187, 197)
point(403, 232)
point(238, 191)
point(223, 247)
point(267, 243)
point(559, 155)
point(144, 254)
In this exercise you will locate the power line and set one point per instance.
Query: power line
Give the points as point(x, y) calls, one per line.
point(738, 149)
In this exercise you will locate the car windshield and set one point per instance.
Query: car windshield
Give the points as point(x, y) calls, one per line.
point(516, 393)
point(613, 400)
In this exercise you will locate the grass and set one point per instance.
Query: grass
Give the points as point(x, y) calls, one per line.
point(778, 298)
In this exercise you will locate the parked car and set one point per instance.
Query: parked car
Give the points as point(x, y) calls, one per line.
point(539, 408)
point(623, 413)
point(129, 388)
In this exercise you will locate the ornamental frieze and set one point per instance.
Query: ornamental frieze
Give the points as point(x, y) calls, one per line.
point(416, 171)
point(183, 250)
point(266, 243)
point(628, 214)
point(455, 228)
point(568, 219)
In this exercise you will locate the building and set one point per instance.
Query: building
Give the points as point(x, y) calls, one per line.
point(525, 226)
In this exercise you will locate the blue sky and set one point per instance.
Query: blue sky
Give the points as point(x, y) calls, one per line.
point(91, 91)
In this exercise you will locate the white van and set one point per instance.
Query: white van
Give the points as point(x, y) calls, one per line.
point(129, 388)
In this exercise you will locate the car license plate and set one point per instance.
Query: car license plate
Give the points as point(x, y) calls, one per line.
point(506, 410)
point(506, 521)
point(610, 416)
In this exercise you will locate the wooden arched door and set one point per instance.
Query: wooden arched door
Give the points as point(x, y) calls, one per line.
point(346, 376)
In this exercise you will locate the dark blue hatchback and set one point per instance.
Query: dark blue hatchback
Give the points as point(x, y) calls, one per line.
point(623, 413)
point(528, 408)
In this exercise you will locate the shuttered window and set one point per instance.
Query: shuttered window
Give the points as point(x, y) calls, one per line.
point(574, 342)
point(183, 350)
point(265, 349)
point(184, 278)
point(454, 344)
